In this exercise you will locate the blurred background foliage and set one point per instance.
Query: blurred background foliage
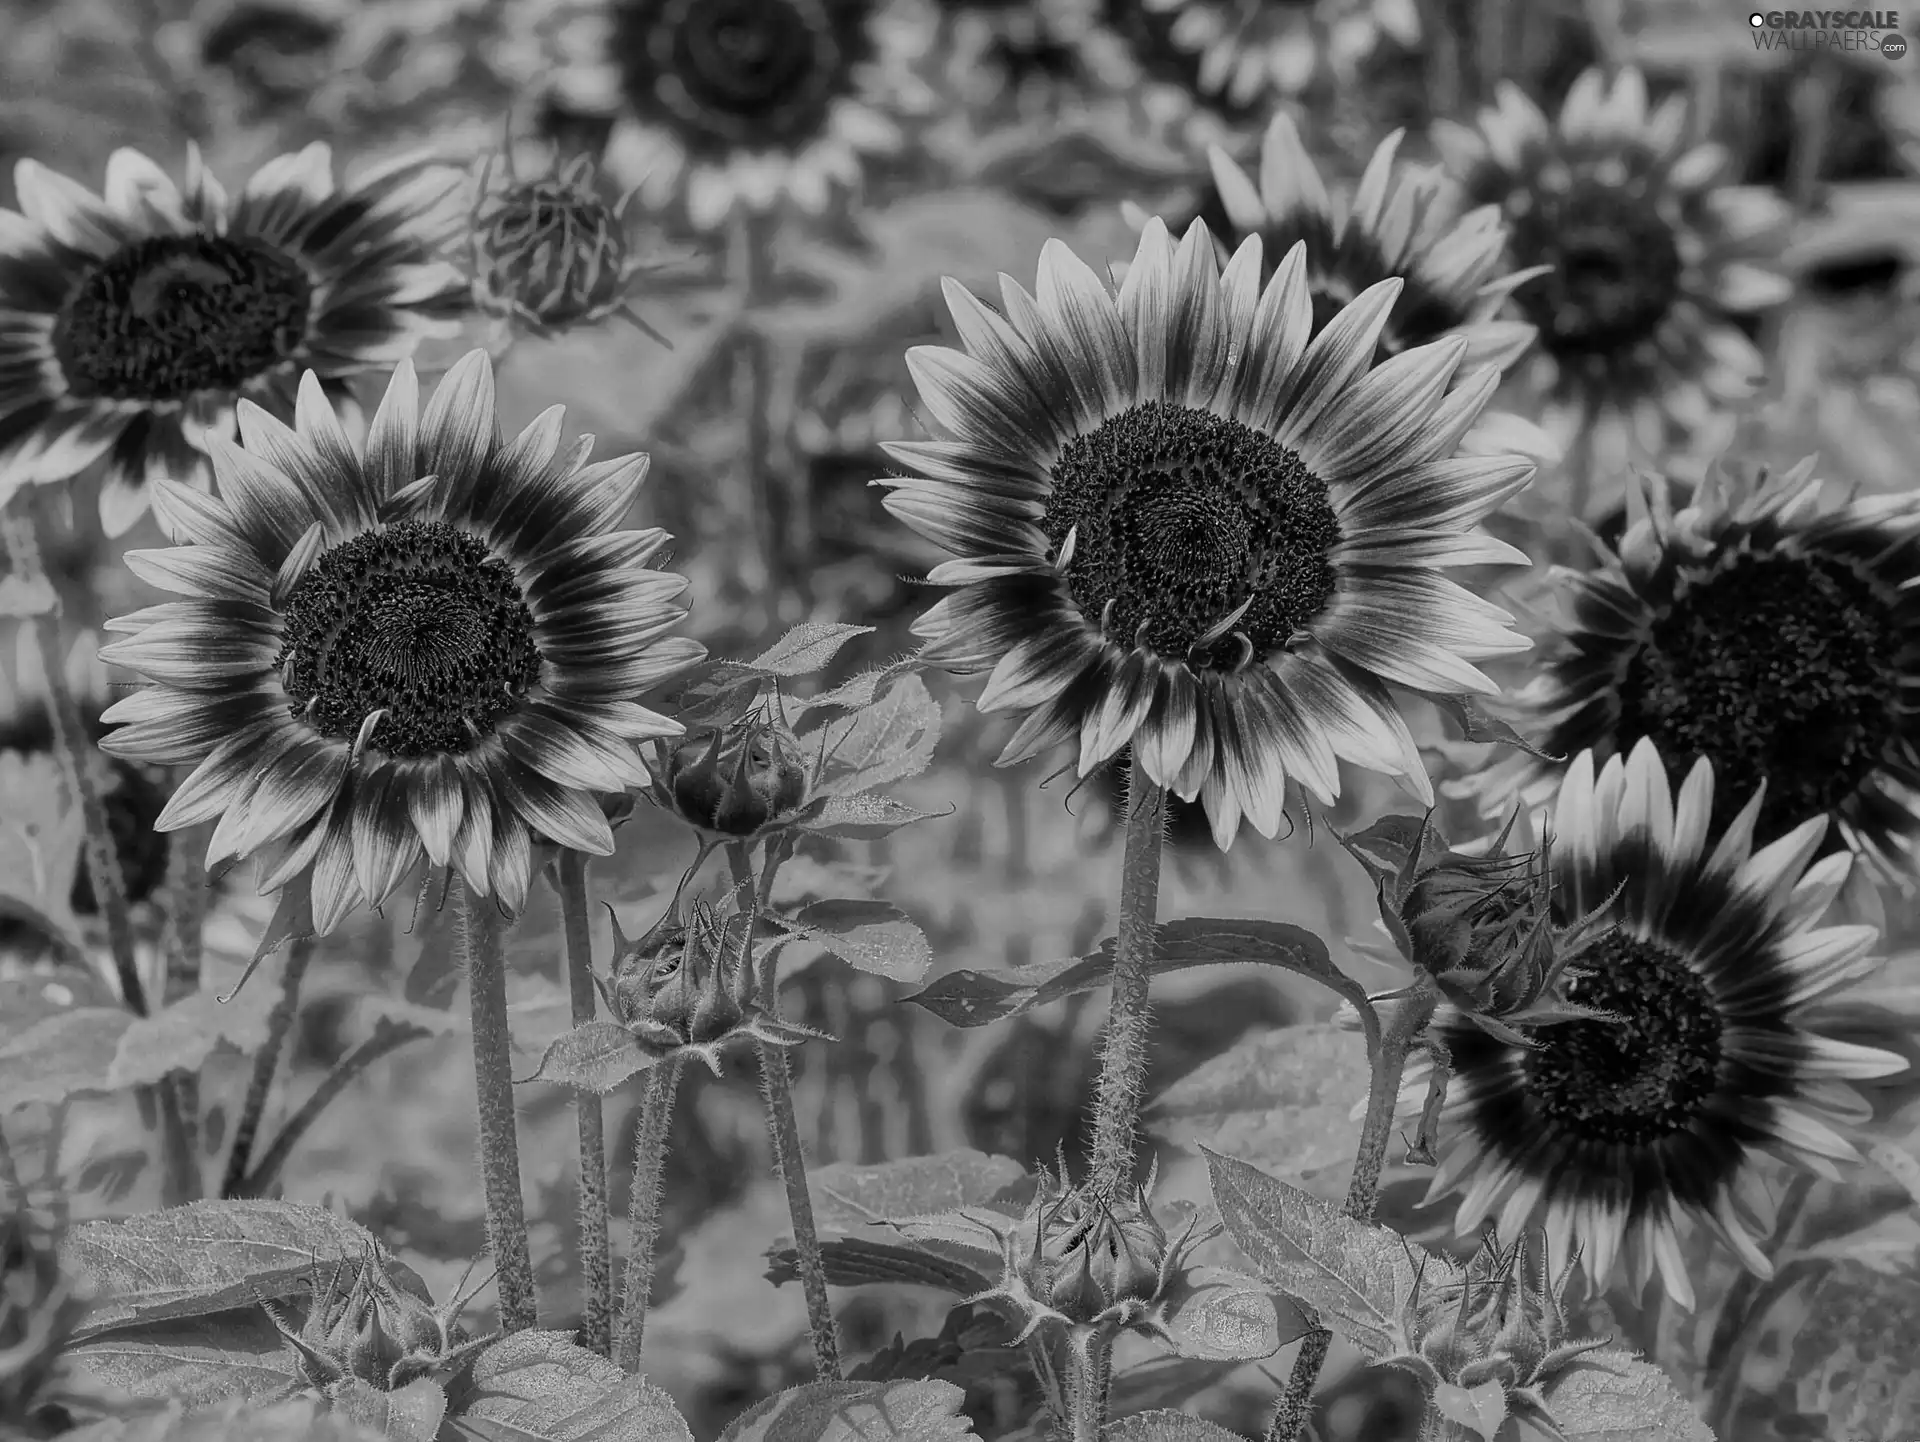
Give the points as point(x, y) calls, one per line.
point(1021, 137)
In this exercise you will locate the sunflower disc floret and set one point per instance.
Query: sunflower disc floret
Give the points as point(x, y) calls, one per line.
point(426, 648)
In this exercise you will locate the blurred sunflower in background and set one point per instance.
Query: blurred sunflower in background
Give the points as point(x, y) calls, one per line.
point(718, 106)
point(1182, 525)
point(135, 321)
point(426, 648)
point(1763, 629)
point(1649, 261)
point(1619, 1131)
point(1393, 223)
point(1240, 53)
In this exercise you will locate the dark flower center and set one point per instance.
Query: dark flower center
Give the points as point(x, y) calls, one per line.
point(554, 249)
point(1616, 269)
point(174, 314)
point(419, 621)
point(1779, 666)
point(1181, 517)
point(1645, 1077)
point(733, 74)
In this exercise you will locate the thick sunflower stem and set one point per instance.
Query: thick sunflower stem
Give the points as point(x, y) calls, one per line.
point(783, 1133)
point(1090, 1386)
point(265, 1062)
point(79, 756)
point(1389, 1064)
point(1123, 1063)
point(650, 1137)
point(486, 966)
point(596, 1247)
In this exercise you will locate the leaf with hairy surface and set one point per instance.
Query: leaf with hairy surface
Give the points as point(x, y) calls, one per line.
point(235, 1421)
point(541, 1387)
point(920, 1411)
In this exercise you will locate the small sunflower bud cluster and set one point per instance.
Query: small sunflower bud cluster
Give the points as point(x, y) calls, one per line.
point(38, 1312)
point(1481, 926)
point(1088, 1263)
point(1503, 1320)
point(688, 989)
point(550, 252)
point(360, 1326)
point(737, 780)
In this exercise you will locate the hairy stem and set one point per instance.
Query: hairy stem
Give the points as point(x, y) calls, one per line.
point(1123, 1062)
point(486, 968)
point(1092, 1382)
point(596, 1248)
point(265, 1062)
point(783, 1132)
point(1388, 1062)
point(650, 1136)
point(388, 1036)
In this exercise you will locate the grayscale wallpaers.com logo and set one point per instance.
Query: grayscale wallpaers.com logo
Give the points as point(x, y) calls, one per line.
point(1828, 30)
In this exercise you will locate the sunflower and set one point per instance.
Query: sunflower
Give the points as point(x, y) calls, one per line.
point(431, 646)
point(728, 104)
point(131, 325)
point(1620, 1129)
point(1238, 53)
point(1651, 259)
point(1759, 628)
point(1183, 525)
point(1390, 225)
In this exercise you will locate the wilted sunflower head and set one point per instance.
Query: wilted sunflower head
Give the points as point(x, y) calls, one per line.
point(1712, 1060)
point(142, 318)
point(719, 106)
point(1396, 221)
point(1760, 626)
point(1648, 257)
point(430, 646)
point(1183, 523)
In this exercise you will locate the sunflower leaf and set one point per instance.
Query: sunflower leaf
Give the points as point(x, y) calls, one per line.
point(235, 1420)
point(917, 1411)
point(1282, 1100)
point(857, 1262)
point(977, 998)
point(1476, 725)
point(1355, 1276)
point(866, 817)
point(595, 1057)
point(64, 1054)
point(196, 1360)
point(41, 835)
point(873, 936)
point(411, 1414)
point(849, 1196)
point(1219, 1316)
point(805, 649)
point(209, 1257)
point(181, 1036)
point(541, 1387)
point(1164, 1426)
point(889, 740)
point(1480, 1410)
point(1613, 1397)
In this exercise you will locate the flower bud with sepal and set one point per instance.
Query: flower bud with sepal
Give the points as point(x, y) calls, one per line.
point(360, 1326)
point(690, 988)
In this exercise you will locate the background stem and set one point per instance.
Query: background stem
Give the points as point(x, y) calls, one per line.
point(596, 1248)
point(1123, 1062)
point(1389, 1065)
point(388, 1035)
point(265, 1061)
point(650, 1137)
point(486, 967)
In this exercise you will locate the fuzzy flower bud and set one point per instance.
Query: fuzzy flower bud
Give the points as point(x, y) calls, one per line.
point(1481, 926)
point(737, 781)
point(551, 252)
point(690, 988)
point(361, 1325)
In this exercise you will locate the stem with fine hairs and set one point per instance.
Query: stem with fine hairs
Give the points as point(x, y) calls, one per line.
point(596, 1247)
point(651, 1132)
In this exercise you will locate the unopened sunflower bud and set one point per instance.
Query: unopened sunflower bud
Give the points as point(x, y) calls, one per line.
point(739, 780)
point(551, 252)
point(361, 1326)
